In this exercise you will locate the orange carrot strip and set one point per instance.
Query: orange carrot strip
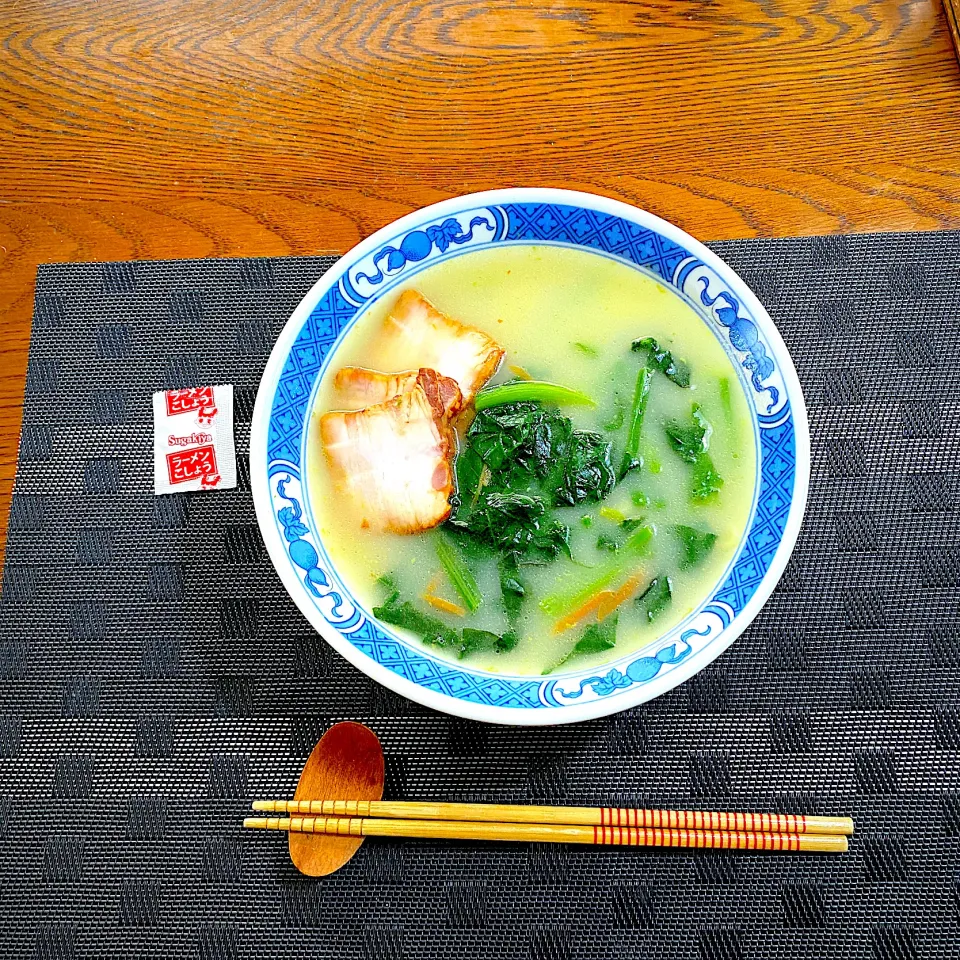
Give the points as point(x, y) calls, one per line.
point(571, 619)
point(602, 603)
point(445, 605)
point(613, 598)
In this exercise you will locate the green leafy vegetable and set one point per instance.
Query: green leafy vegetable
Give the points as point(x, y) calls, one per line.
point(587, 520)
point(640, 499)
point(518, 441)
point(476, 641)
point(586, 349)
point(597, 638)
point(459, 573)
point(539, 391)
point(473, 641)
point(470, 474)
point(656, 598)
point(692, 439)
point(564, 601)
point(706, 481)
point(696, 544)
point(402, 613)
point(641, 393)
point(585, 472)
point(514, 523)
point(676, 370)
point(512, 590)
point(627, 525)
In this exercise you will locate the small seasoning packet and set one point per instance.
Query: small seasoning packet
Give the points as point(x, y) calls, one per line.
point(193, 440)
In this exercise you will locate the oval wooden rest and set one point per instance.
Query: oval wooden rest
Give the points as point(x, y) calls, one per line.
point(346, 763)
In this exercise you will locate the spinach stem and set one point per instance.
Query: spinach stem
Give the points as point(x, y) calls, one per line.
point(539, 390)
point(641, 394)
point(459, 573)
point(563, 602)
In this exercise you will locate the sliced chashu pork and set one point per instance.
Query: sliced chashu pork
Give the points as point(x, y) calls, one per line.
point(395, 458)
point(359, 387)
point(418, 332)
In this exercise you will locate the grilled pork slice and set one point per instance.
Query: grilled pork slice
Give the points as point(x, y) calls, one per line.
point(415, 328)
point(359, 387)
point(395, 458)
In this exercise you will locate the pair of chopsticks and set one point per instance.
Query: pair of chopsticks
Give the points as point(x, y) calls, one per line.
point(616, 826)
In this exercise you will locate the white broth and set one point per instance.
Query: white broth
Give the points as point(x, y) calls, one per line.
point(569, 317)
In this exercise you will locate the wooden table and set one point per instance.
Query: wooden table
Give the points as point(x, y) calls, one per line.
point(206, 128)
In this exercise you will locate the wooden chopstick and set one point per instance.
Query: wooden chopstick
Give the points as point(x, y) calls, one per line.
point(591, 816)
point(553, 833)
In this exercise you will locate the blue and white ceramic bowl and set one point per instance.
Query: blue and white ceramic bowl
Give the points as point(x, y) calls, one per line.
point(308, 346)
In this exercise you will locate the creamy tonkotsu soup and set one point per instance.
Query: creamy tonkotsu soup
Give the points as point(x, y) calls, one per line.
point(557, 470)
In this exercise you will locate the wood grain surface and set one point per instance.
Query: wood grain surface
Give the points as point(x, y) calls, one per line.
point(202, 128)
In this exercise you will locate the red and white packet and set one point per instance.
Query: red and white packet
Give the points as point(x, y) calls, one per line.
point(193, 440)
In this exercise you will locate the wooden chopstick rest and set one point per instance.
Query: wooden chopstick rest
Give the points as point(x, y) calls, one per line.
point(592, 816)
point(553, 833)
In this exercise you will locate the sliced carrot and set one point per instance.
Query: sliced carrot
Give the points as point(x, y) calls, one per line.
point(613, 598)
point(603, 603)
point(445, 605)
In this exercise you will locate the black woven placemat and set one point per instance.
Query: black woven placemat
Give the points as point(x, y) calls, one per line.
point(154, 677)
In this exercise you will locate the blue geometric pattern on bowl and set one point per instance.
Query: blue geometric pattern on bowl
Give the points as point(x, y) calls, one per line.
point(375, 275)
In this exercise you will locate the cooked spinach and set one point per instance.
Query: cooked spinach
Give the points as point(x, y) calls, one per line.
point(641, 393)
point(539, 391)
point(470, 471)
point(512, 590)
point(597, 638)
point(696, 545)
point(515, 524)
point(656, 598)
point(676, 370)
point(475, 641)
point(571, 596)
point(627, 525)
point(518, 441)
point(706, 481)
point(585, 472)
point(402, 613)
point(639, 499)
point(459, 573)
point(690, 440)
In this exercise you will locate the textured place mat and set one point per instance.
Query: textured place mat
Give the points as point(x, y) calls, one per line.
point(154, 676)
